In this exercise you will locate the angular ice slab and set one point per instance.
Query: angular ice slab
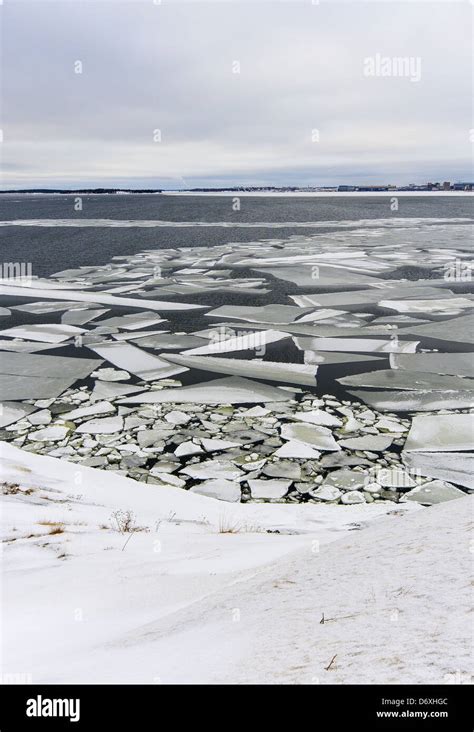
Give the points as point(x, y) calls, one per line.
point(213, 468)
point(374, 443)
point(23, 364)
point(455, 364)
point(364, 345)
point(145, 365)
point(428, 306)
point(80, 412)
point(314, 436)
point(441, 432)
point(429, 494)
point(358, 298)
point(33, 387)
point(50, 333)
point(134, 321)
point(457, 467)
point(268, 490)
point(100, 298)
point(220, 488)
point(460, 330)
point(326, 358)
point(105, 426)
point(406, 380)
point(80, 317)
point(238, 343)
point(43, 307)
point(319, 417)
point(10, 412)
point(327, 277)
point(259, 314)
point(414, 401)
point(295, 449)
point(233, 390)
point(111, 390)
point(290, 373)
point(171, 341)
point(19, 346)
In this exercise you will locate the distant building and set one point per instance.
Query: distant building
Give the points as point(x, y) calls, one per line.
point(345, 189)
point(373, 188)
point(446, 185)
point(463, 186)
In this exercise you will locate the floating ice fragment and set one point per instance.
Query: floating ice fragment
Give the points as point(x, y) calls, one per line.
point(223, 490)
point(141, 363)
point(11, 412)
point(234, 390)
point(292, 373)
point(441, 432)
point(269, 489)
point(405, 380)
point(51, 333)
point(107, 425)
point(312, 435)
point(432, 493)
point(456, 364)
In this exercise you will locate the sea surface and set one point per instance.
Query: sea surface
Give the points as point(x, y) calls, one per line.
point(53, 248)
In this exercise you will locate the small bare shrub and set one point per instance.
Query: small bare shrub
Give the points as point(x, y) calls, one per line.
point(125, 521)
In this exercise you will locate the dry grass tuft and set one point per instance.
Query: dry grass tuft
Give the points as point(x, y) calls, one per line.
point(56, 527)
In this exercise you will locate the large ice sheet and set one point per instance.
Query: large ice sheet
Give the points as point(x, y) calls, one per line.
point(259, 314)
point(358, 298)
point(290, 373)
point(428, 306)
point(326, 358)
point(141, 363)
point(233, 390)
point(111, 390)
point(19, 346)
point(134, 321)
point(406, 380)
point(33, 387)
point(414, 401)
point(362, 345)
point(457, 467)
point(244, 342)
point(459, 330)
point(51, 333)
point(100, 298)
point(455, 364)
point(441, 432)
point(318, 276)
point(168, 341)
point(43, 307)
point(80, 317)
point(27, 364)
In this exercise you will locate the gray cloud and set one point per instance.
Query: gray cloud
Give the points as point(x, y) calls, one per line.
point(170, 67)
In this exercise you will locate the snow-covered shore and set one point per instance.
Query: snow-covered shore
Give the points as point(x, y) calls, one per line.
point(207, 592)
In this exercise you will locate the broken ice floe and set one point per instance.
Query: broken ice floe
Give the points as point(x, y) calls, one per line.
point(136, 361)
point(233, 390)
point(441, 432)
point(349, 302)
point(289, 373)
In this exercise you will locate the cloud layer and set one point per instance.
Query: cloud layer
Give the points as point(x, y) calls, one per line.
point(181, 94)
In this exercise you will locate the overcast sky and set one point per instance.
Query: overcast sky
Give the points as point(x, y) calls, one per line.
point(301, 111)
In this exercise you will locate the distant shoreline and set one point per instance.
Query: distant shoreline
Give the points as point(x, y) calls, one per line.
point(239, 194)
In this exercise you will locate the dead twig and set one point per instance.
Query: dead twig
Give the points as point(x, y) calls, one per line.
point(331, 662)
point(128, 539)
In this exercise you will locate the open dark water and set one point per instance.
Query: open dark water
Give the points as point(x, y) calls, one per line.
point(51, 249)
